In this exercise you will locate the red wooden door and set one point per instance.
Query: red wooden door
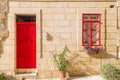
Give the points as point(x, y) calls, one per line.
point(26, 45)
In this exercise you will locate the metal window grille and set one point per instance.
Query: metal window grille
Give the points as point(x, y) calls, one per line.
point(91, 29)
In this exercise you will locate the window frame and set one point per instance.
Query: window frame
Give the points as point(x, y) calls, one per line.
point(91, 36)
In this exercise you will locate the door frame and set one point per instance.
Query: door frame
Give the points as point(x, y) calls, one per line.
point(32, 70)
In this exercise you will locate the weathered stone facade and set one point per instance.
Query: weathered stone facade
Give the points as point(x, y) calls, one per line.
point(63, 21)
point(3, 19)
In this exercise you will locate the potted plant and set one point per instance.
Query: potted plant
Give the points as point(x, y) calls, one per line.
point(61, 62)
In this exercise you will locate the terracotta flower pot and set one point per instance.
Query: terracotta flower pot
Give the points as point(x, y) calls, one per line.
point(62, 74)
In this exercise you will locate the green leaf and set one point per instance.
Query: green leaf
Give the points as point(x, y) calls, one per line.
point(60, 60)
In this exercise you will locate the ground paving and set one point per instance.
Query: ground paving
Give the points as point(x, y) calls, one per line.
point(96, 77)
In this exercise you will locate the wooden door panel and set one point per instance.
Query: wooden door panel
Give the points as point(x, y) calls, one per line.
point(26, 45)
point(32, 60)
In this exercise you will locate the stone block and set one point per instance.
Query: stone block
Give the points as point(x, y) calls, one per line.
point(111, 11)
point(112, 54)
point(102, 35)
point(14, 4)
point(24, 10)
point(111, 42)
point(81, 48)
point(4, 61)
point(93, 69)
point(59, 16)
point(48, 29)
point(71, 16)
point(84, 59)
point(4, 67)
point(11, 67)
point(96, 61)
point(84, 54)
point(118, 31)
point(92, 10)
point(70, 10)
point(111, 17)
point(72, 30)
point(72, 48)
point(77, 5)
point(64, 23)
point(109, 60)
point(49, 23)
point(47, 11)
point(48, 48)
point(25, 4)
point(68, 42)
point(39, 4)
point(58, 4)
point(55, 73)
point(44, 74)
point(91, 4)
point(73, 24)
point(58, 10)
point(60, 29)
point(111, 35)
point(47, 17)
point(104, 4)
point(111, 29)
point(59, 48)
point(65, 36)
point(56, 42)
point(111, 22)
point(53, 4)
point(74, 35)
point(102, 29)
point(46, 54)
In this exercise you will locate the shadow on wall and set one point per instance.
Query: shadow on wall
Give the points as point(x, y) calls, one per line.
point(88, 65)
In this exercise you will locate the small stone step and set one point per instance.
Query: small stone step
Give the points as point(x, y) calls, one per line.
point(51, 79)
point(28, 76)
point(31, 79)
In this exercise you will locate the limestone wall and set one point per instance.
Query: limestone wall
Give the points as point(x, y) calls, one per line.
point(66, 0)
point(63, 22)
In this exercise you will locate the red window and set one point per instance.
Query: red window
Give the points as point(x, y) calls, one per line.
point(91, 29)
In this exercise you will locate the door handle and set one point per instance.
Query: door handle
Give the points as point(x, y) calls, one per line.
point(30, 40)
point(21, 40)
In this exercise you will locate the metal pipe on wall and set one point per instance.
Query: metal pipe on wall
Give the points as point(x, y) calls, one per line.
point(105, 29)
point(41, 35)
point(118, 55)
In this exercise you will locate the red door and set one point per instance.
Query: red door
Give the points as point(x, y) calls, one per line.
point(26, 45)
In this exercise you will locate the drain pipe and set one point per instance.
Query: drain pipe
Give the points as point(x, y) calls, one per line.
point(105, 31)
point(41, 35)
point(118, 55)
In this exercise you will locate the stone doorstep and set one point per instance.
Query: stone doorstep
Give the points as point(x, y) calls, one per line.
point(33, 76)
point(46, 79)
point(26, 76)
